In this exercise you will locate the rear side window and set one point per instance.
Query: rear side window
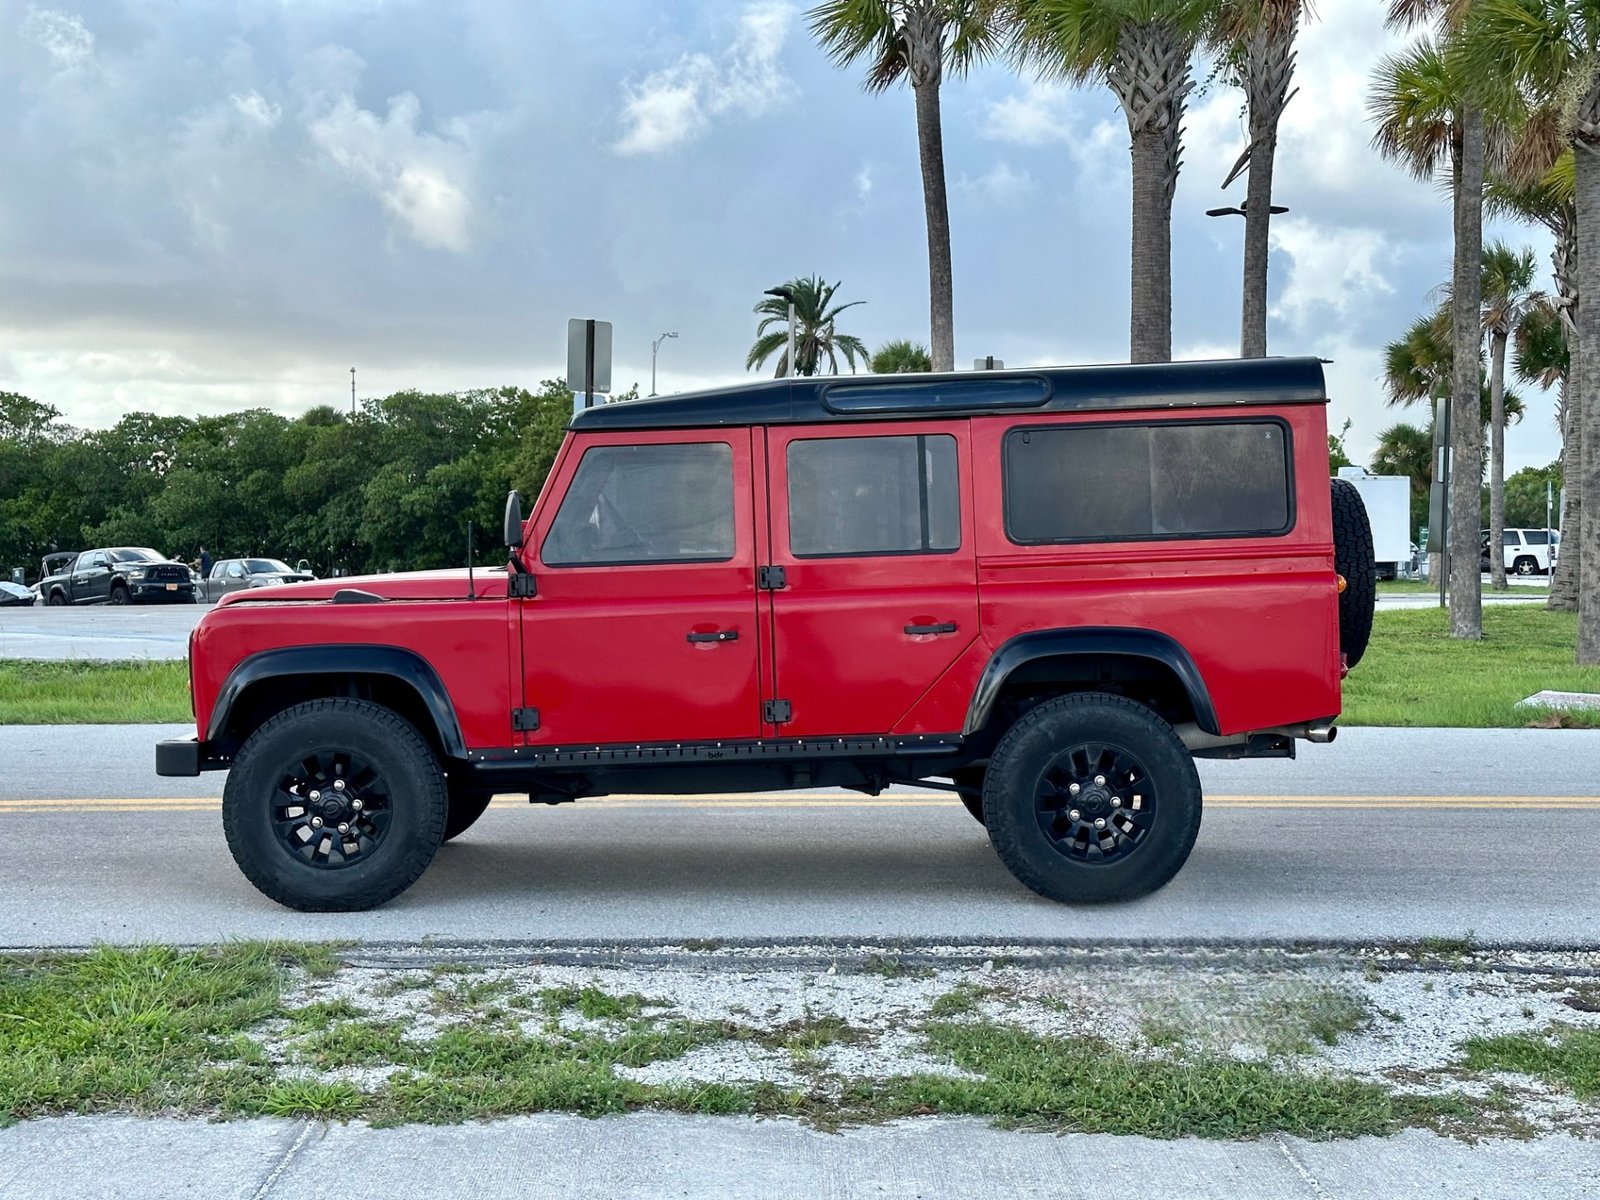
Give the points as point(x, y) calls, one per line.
point(1536, 537)
point(1099, 483)
point(646, 504)
point(873, 495)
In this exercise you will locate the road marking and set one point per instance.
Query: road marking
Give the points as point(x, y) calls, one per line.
point(809, 800)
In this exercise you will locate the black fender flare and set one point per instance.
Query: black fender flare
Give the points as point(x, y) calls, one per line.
point(397, 662)
point(1087, 641)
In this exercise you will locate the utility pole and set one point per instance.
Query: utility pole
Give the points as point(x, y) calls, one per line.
point(352, 391)
point(786, 293)
point(1249, 332)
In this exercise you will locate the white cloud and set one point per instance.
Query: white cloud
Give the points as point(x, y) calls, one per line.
point(677, 104)
point(1329, 269)
point(255, 107)
point(416, 175)
point(999, 185)
point(1040, 113)
point(65, 37)
point(863, 182)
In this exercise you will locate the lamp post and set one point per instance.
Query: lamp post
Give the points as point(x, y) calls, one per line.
point(352, 391)
point(1253, 314)
point(787, 293)
point(654, 346)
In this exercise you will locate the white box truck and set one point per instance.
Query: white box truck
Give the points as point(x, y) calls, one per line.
point(1388, 501)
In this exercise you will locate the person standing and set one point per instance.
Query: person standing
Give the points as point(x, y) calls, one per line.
point(205, 563)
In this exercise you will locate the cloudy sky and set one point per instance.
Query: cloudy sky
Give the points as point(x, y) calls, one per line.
point(207, 207)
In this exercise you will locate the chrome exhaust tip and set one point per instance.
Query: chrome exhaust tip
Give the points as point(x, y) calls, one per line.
point(1321, 732)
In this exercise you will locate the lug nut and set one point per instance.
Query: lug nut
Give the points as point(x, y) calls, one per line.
point(1099, 822)
point(1116, 802)
point(355, 803)
point(344, 827)
point(1073, 789)
point(316, 822)
point(1100, 780)
point(316, 795)
point(338, 785)
point(1074, 815)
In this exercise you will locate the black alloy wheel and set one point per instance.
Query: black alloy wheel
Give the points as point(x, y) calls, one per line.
point(1092, 797)
point(332, 808)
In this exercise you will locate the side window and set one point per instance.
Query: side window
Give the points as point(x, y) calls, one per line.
point(1508, 537)
point(1536, 537)
point(235, 571)
point(873, 495)
point(1101, 483)
point(642, 504)
point(97, 561)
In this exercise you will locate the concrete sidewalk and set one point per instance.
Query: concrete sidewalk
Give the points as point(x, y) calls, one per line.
point(650, 1155)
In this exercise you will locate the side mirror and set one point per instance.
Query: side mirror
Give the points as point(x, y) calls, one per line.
point(514, 519)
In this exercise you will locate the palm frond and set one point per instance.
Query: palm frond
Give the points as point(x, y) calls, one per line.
point(1414, 102)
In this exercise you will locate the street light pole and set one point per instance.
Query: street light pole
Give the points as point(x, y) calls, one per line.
point(654, 346)
point(786, 293)
point(352, 391)
point(1253, 305)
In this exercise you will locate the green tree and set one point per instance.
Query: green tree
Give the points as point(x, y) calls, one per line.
point(1527, 495)
point(1141, 50)
point(917, 40)
point(1508, 296)
point(1254, 40)
point(1407, 450)
point(1338, 456)
point(816, 333)
point(901, 356)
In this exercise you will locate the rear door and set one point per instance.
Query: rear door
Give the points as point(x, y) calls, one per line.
point(644, 628)
point(91, 578)
point(872, 532)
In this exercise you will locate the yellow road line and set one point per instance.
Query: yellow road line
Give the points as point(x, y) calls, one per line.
point(811, 800)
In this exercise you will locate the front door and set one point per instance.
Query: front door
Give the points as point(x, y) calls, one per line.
point(644, 627)
point(873, 533)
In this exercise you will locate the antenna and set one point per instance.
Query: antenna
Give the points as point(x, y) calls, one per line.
point(472, 593)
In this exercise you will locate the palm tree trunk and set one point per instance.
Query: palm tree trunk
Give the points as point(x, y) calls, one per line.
point(1150, 318)
point(1586, 413)
point(1466, 412)
point(930, 151)
point(1497, 459)
point(1257, 222)
point(1564, 583)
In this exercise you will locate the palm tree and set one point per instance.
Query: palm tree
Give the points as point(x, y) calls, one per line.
point(1508, 295)
point(814, 334)
point(1141, 49)
point(900, 357)
point(919, 40)
point(1255, 39)
point(1548, 200)
point(1417, 367)
point(1547, 49)
point(1420, 105)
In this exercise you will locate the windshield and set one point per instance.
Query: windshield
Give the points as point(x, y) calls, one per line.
point(137, 554)
point(266, 566)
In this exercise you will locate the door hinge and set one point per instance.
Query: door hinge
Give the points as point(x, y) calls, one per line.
point(776, 712)
point(522, 586)
point(770, 579)
point(525, 720)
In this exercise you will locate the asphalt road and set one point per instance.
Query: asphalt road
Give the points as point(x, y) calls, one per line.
point(1384, 834)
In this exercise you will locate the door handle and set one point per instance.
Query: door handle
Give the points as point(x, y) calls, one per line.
point(942, 627)
point(721, 635)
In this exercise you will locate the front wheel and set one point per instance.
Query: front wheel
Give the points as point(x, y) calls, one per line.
point(1092, 797)
point(119, 594)
point(1526, 566)
point(334, 806)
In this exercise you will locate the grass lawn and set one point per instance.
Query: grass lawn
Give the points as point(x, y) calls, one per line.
point(93, 693)
point(1414, 673)
point(1412, 587)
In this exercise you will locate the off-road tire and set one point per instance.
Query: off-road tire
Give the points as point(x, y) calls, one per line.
point(418, 805)
point(1352, 558)
point(970, 781)
point(466, 806)
point(1025, 754)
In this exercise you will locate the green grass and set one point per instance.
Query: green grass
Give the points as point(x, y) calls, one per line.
point(1567, 1056)
point(1415, 674)
point(1295, 1022)
point(93, 693)
point(1411, 587)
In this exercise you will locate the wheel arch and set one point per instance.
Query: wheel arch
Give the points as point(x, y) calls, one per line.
point(270, 681)
point(1087, 655)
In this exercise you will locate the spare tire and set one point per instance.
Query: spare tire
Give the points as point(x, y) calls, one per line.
point(1352, 558)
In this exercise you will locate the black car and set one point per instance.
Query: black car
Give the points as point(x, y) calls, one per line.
point(119, 575)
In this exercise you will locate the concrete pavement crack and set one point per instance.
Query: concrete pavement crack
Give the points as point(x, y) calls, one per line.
point(283, 1163)
point(1299, 1167)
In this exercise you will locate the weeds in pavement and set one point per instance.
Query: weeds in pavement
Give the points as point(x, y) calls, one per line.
point(1564, 1055)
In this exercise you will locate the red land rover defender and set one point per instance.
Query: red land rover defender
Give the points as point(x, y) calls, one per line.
point(1052, 587)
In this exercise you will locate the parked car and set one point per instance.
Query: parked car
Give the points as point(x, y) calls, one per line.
point(14, 595)
point(119, 575)
point(238, 574)
point(1053, 587)
point(1527, 551)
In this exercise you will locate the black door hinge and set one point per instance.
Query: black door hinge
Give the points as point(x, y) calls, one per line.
point(776, 712)
point(525, 720)
point(522, 586)
point(770, 579)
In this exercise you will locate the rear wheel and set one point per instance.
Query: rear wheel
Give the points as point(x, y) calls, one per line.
point(1092, 797)
point(57, 600)
point(1526, 566)
point(334, 806)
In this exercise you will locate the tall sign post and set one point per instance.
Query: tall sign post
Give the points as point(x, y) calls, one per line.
point(1439, 532)
point(588, 361)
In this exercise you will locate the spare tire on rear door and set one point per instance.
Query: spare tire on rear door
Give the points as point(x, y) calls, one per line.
point(1352, 558)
